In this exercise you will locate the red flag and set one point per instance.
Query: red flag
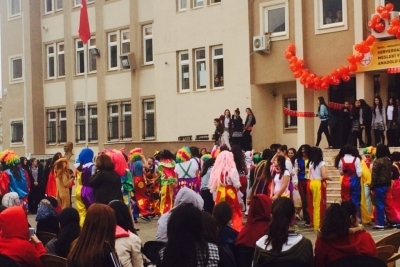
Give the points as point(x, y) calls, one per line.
point(84, 29)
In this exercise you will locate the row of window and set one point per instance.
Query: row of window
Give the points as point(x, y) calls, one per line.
point(200, 69)
point(119, 123)
point(183, 4)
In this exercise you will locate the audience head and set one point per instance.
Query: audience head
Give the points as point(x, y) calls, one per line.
point(98, 231)
point(188, 196)
point(70, 230)
point(14, 224)
point(267, 154)
point(304, 151)
point(274, 147)
point(222, 213)
point(382, 151)
point(351, 211)
point(395, 156)
point(11, 199)
point(283, 213)
point(48, 207)
point(209, 228)
point(166, 155)
point(104, 162)
point(123, 216)
point(336, 222)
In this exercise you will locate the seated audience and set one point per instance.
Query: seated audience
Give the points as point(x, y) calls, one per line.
point(11, 199)
point(14, 239)
point(222, 213)
point(95, 246)
point(127, 244)
point(283, 246)
point(185, 195)
point(46, 216)
point(336, 240)
point(69, 231)
point(186, 245)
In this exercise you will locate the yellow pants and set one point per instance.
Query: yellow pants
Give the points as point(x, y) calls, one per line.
point(316, 202)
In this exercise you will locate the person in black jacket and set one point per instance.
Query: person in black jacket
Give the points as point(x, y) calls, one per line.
point(366, 120)
point(105, 181)
point(237, 128)
point(356, 116)
point(248, 127)
point(219, 130)
point(346, 122)
point(36, 175)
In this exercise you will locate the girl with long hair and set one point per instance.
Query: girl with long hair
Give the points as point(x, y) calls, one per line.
point(261, 176)
point(380, 183)
point(283, 244)
point(127, 243)
point(166, 170)
point(222, 214)
point(226, 122)
point(186, 246)
point(224, 180)
point(335, 240)
point(349, 165)
point(51, 187)
point(378, 121)
point(205, 193)
point(237, 129)
point(356, 114)
point(317, 187)
point(323, 114)
point(248, 127)
point(392, 113)
point(69, 231)
point(301, 170)
point(281, 179)
point(64, 181)
point(95, 246)
point(366, 120)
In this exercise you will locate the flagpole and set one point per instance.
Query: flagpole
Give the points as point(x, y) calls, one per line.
point(86, 53)
point(25, 124)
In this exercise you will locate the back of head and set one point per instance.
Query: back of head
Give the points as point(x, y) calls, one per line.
point(266, 154)
point(104, 162)
point(70, 230)
point(395, 156)
point(336, 222)
point(222, 213)
point(209, 228)
point(382, 151)
point(68, 216)
point(184, 231)
point(351, 211)
point(282, 215)
point(166, 154)
point(195, 152)
point(98, 231)
point(123, 216)
point(187, 195)
point(260, 209)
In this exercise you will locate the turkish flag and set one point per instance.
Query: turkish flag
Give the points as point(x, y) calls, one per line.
point(84, 29)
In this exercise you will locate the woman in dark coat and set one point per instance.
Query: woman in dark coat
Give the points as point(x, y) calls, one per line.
point(248, 127)
point(105, 181)
point(237, 128)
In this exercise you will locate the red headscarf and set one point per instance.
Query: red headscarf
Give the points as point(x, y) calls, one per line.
point(258, 221)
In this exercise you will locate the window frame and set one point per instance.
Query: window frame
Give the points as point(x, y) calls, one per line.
point(179, 3)
point(12, 122)
point(79, 116)
point(59, 54)
point(11, 69)
point(320, 28)
point(214, 57)
point(196, 60)
point(194, 5)
point(9, 10)
point(286, 118)
point(213, 2)
point(91, 127)
point(59, 126)
point(109, 45)
point(145, 38)
point(126, 41)
point(48, 57)
point(45, 6)
point(123, 134)
point(145, 112)
point(56, 7)
point(109, 115)
point(48, 120)
point(90, 56)
point(270, 5)
point(77, 61)
point(76, 4)
point(180, 73)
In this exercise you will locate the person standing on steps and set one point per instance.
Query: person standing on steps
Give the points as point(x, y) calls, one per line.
point(323, 115)
point(226, 122)
point(378, 121)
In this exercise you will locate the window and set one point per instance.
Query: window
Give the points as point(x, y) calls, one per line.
point(148, 44)
point(113, 121)
point(80, 57)
point(218, 66)
point(125, 42)
point(331, 15)
point(215, 1)
point(61, 59)
point(78, 2)
point(48, 6)
point(16, 69)
point(200, 68)
point(184, 80)
point(113, 50)
point(396, 4)
point(126, 120)
point(14, 8)
point(182, 5)
point(59, 4)
point(17, 131)
point(93, 129)
point(51, 54)
point(62, 126)
point(51, 127)
point(148, 119)
point(291, 121)
point(198, 3)
point(92, 57)
point(80, 123)
point(275, 19)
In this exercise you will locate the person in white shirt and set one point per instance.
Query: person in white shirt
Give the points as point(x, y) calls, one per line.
point(186, 170)
point(317, 175)
point(281, 179)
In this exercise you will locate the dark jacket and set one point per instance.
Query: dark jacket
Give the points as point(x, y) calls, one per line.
point(219, 130)
point(367, 115)
point(222, 119)
point(237, 124)
point(107, 186)
point(250, 121)
point(381, 173)
point(395, 113)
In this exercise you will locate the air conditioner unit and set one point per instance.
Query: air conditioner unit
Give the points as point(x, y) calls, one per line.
point(386, 23)
point(262, 44)
point(128, 61)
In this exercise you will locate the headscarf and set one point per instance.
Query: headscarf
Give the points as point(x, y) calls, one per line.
point(184, 154)
point(47, 207)
point(223, 166)
point(11, 199)
point(258, 221)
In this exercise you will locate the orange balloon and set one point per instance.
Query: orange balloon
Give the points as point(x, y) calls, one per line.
point(297, 74)
point(389, 7)
point(379, 28)
point(385, 14)
point(293, 59)
point(352, 67)
point(288, 55)
point(380, 8)
point(291, 48)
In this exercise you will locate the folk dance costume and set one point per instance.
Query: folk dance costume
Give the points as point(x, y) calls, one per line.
point(140, 189)
point(316, 193)
point(84, 194)
point(167, 178)
point(350, 168)
point(186, 171)
point(224, 180)
point(14, 178)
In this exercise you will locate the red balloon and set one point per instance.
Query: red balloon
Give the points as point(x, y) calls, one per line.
point(297, 74)
point(288, 55)
point(396, 29)
point(300, 63)
point(380, 8)
point(309, 79)
point(379, 28)
point(398, 35)
point(390, 30)
point(317, 81)
point(293, 67)
point(352, 67)
point(346, 78)
point(395, 22)
point(370, 40)
point(302, 81)
point(385, 14)
point(365, 49)
point(325, 78)
point(335, 74)
point(291, 48)
point(389, 7)
point(293, 59)
point(336, 82)
point(343, 70)
point(359, 56)
point(371, 24)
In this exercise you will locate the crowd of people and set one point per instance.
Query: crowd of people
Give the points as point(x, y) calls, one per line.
point(199, 198)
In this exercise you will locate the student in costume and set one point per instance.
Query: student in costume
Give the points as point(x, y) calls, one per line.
point(186, 170)
point(153, 186)
point(393, 194)
point(166, 170)
point(365, 182)
point(64, 180)
point(369, 157)
point(261, 182)
point(301, 170)
point(51, 187)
